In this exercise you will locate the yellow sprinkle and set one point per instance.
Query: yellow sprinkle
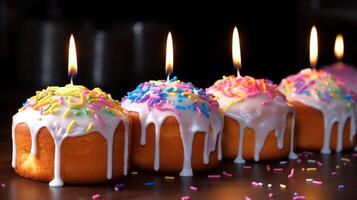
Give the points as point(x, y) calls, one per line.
point(79, 103)
point(54, 110)
point(345, 159)
point(311, 169)
point(134, 173)
point(67, 113)
point(282, 186)
point(337, 166)
point(70, 126)
point(169, 177)
point(90, 126)
point(90, 110)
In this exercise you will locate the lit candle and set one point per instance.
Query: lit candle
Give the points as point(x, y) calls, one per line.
point(236, 57)
point(72, 59)
point(249, 103)
point(70, 114)
point(177, 110)
point(169, 64)
point(313, 47)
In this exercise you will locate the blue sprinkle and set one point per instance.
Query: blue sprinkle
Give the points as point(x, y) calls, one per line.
point(119, 185)
point(180, 107)
point(341, 187)
point(204, 109)
point(149, 184)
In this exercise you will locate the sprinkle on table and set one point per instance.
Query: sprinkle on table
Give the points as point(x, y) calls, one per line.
point(96, 196)
point(193, 188)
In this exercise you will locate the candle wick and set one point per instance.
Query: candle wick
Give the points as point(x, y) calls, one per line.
point(238, 73)
point(168, 77)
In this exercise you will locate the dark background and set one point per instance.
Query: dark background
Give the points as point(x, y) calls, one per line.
point(120, 45)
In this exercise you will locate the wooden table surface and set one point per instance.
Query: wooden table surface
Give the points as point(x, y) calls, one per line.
point(239, 186)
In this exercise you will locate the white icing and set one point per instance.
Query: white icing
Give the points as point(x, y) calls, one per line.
point(261, 117)
point(57, 125)
point(190, 122)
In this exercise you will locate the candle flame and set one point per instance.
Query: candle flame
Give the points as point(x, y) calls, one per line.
point(72, 59)
point(169, 56)
point(313, 47)
point(236, 50)
point(339, 47)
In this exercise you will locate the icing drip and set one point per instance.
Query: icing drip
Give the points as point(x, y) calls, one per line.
point(72, 111)
point(154, 101)
point(255, 104)
point(321, 91)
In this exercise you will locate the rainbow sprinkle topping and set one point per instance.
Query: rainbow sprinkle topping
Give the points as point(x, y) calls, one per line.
point(77, 101)
point(317, 84)
point(238, 89)
point(174, 96)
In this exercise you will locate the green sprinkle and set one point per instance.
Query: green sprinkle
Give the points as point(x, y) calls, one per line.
point(75, 108)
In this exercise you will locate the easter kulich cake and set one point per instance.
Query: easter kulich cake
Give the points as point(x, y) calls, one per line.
point(258, 122)
point(70, 135)
point(325, 118)
point(176, 128)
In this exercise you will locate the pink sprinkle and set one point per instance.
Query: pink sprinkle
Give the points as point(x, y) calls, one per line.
point(247, 198)
point(354, 155)
point(247, 167)
point(185, 198)
point(268, 168)
point(61, 99)
point(41, 111)
point(214, 176)
point(298, 197)
point(319, 163)
point(94, 106)
point(169, 109)
point(270, 195)
point(298, 160)
point(292, 172)
point(317, 182)
point(3, 184)
point(224, 173)
point(333, 173)
point(193, 188)
point(278, 169)
point(96, 196)
point(99, 120)
point(254, 183)
point(105, 102)
point(116, 189)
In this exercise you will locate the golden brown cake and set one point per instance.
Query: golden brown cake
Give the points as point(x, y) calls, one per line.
point(71, 135)
point(258, 122)
point(176, 127)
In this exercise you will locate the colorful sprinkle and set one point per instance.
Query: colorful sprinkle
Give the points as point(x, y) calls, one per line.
point(185, 198)
point(214, 176)
point(299, 197)
point(173, 96)
point(311, 169)
point(283, 186)
point(96, 196)
point(169, 177)
point(317, 182)
point(70, 126)
point(319, 85)
point(149, 184)
point(238, 89)
point(193, 188)
point(224, 173)
point(292, 172)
